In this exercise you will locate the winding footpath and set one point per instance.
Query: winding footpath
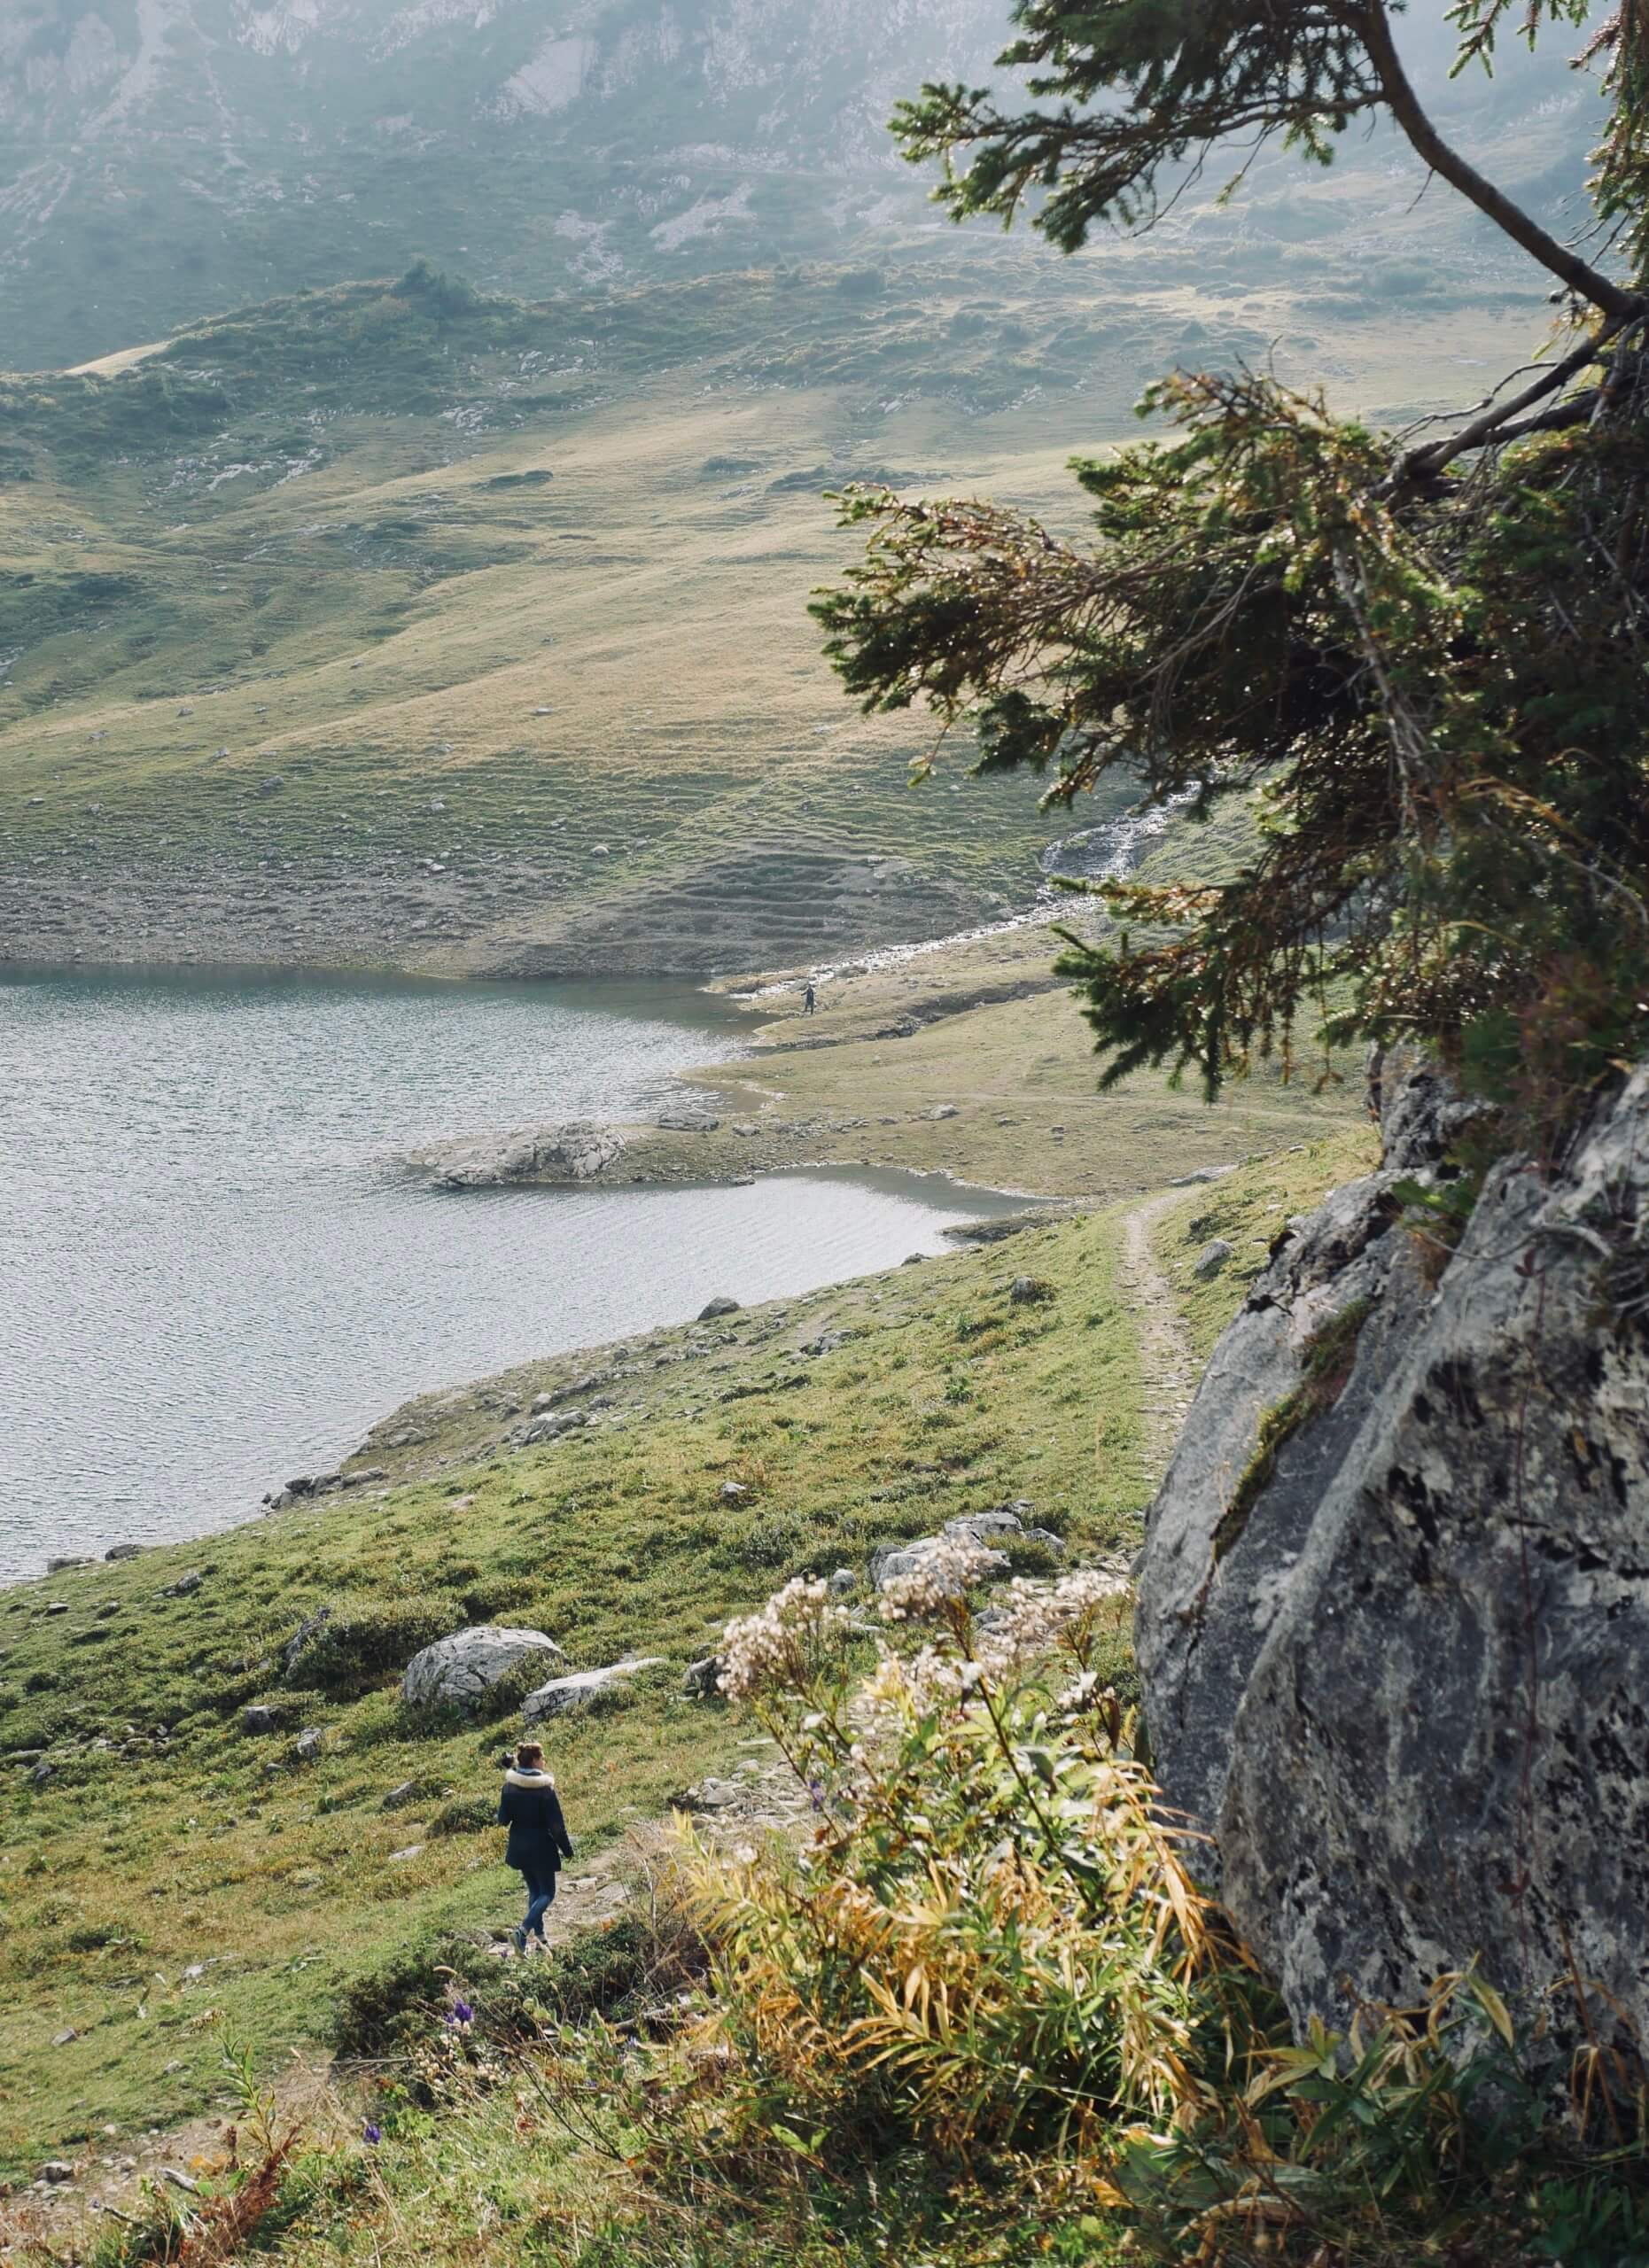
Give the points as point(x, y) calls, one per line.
point(1168, 1369)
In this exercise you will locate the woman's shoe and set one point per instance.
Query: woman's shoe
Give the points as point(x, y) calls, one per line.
point(520, 1935)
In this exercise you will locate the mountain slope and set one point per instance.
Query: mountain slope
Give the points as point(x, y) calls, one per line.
point(396, 624)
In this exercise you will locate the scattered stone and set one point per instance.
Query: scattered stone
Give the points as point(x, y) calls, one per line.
point(310, 1741)
point(461, 1670)
point(303, 1638)
point(1202, 1173)
point(123, 1552)
point(983, 1527)
point(548, 1428)
point(185, 1586)
point(62, 2038)
point(744, 1129)
point(398, 1799)
point(891, 1561)
point(1029, 1291)
point(1212, 1258)
point(563, 1694)
point(703, 1679)
point(710, 1796)
point(256, 1718)
point(687, 1119)
point(42, 1772)
point(57, 1606)
point(411, 1850)
point(943, 1110)
point(60, 1566)
point(721, 1305)
point(843, 1583)
point(57, 2170)
point(733, 1492)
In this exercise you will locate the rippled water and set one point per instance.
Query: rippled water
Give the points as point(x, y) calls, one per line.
point(212, 1274)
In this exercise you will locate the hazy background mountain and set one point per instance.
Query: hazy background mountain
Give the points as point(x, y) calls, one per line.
point(416, 620)
point(163, 158)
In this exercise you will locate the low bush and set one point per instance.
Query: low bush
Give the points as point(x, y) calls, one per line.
point(361, 1647)
point(985, 2014)
point(464, 1815)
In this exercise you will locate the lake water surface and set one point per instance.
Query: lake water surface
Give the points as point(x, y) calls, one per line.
point(212, 1274)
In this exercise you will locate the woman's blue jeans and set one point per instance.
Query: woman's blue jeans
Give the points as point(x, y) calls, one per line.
point(540, 1896)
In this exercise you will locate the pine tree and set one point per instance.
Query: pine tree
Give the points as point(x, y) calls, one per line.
point(1425, 659)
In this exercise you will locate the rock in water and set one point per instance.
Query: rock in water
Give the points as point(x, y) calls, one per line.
point(579, 1152)
point(461, 1670)
point(1394, 1601)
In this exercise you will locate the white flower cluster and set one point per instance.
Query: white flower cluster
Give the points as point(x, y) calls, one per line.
point(780, 1644)
point(944, 1575)
point(1033, 1617)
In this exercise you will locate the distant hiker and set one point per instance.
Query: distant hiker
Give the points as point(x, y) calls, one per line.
point(531, 1809)
point(810, 999)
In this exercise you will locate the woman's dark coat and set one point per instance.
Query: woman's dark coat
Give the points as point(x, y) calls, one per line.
point(531, 1809)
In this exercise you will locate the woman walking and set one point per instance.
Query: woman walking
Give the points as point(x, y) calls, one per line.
point(531, 1809)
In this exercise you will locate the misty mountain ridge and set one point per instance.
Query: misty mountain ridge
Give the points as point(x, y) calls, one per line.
point(162, 160)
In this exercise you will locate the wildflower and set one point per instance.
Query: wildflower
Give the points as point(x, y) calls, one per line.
point(372, 2134)
point(783, 1643)
point(1034, 1617)
point(946, 1570)
point(459, 2016)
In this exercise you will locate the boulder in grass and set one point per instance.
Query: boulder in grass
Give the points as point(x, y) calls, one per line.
point(564, 1695)
point(890, 1563)
point(461, 1670)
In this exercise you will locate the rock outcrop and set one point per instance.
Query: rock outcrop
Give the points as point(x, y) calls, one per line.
point(1394, 1601)
point(578, 1152)
point(460, 1671)
point(562, 1695)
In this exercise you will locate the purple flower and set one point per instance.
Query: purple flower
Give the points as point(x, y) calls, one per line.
point(373, 2132)
point(815, 1789)
point(462, 2017)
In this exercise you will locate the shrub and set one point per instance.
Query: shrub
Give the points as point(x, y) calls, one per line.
point(988, 1998)
point(464, 1815)
point(362, 1647)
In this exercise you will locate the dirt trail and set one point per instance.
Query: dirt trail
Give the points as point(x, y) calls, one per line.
point(1168, 1368)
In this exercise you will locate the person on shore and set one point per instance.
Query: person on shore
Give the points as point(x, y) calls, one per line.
point(531, 1809)
point(810, 999)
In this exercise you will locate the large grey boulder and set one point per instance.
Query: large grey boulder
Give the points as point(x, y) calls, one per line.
point(1394, 1602)
point(576, 1152)
point(460, 1671)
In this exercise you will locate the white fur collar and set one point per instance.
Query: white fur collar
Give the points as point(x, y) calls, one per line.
point(516, 1778)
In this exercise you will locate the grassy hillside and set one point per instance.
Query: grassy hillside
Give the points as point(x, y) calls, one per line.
point(171, 1864)
point(395, 624)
